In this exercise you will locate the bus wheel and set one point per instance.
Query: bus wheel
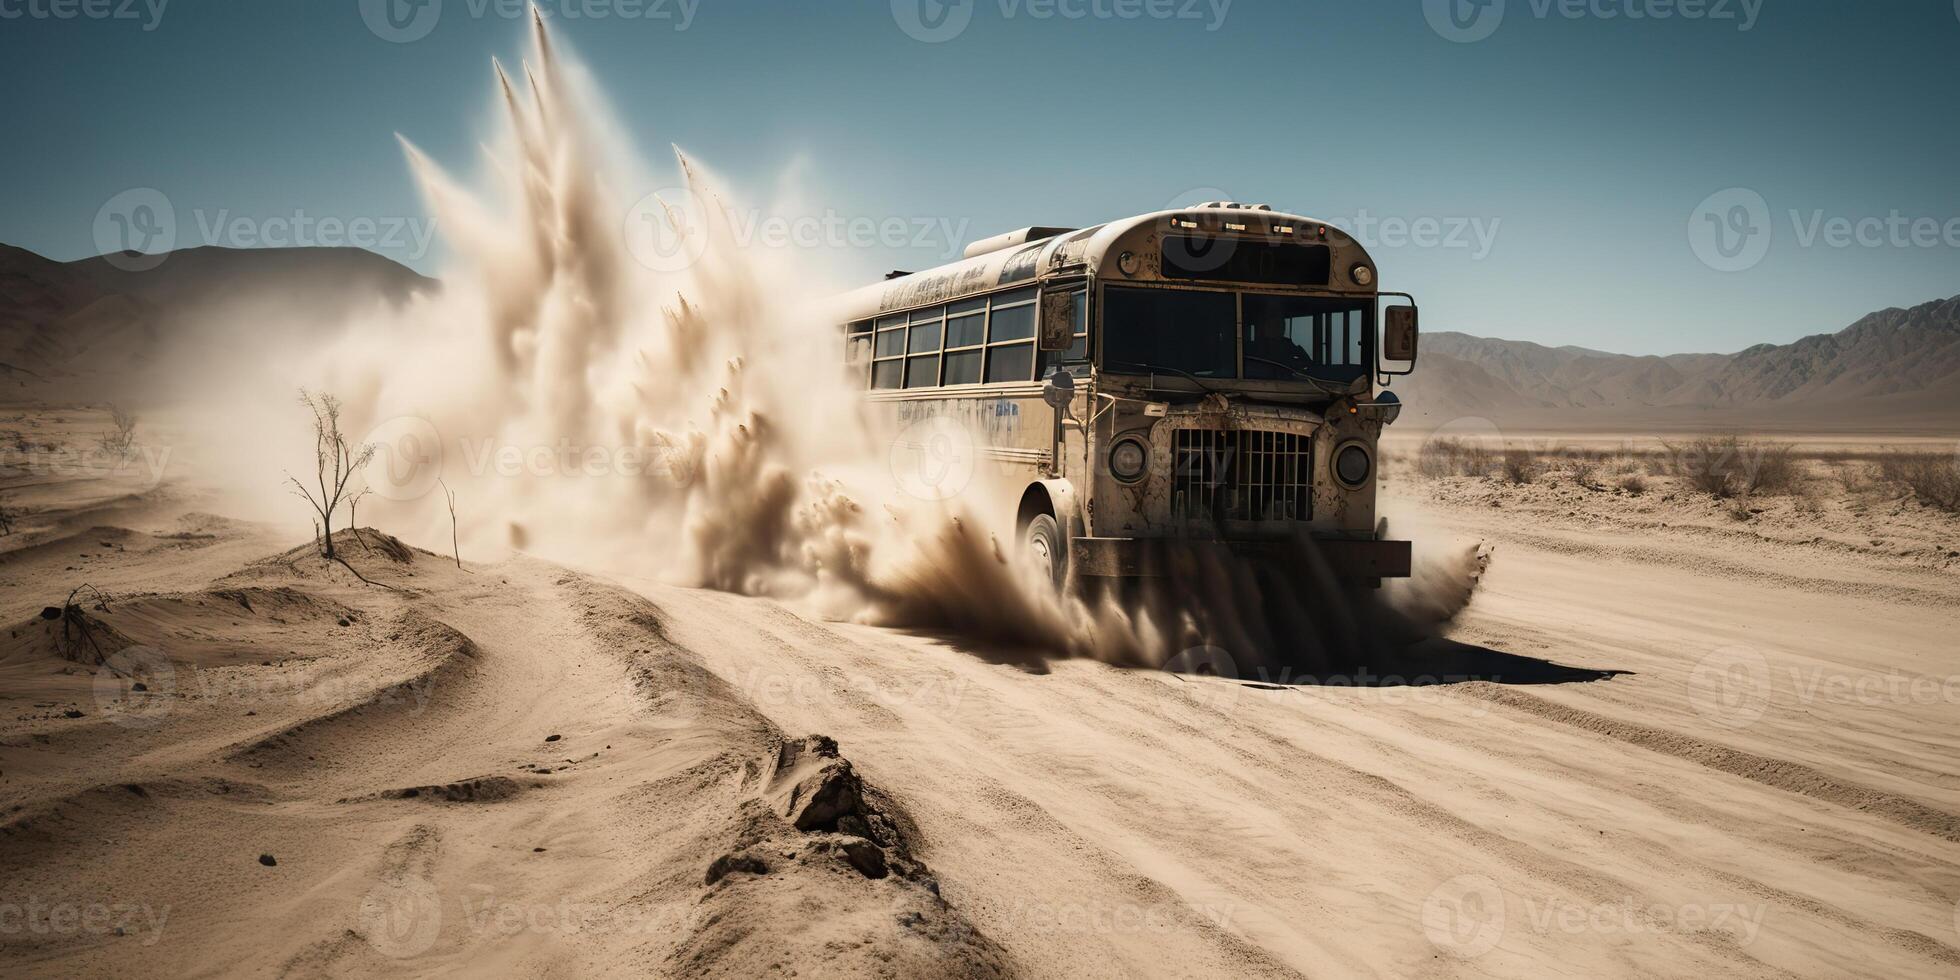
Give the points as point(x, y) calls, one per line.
point(1041, 544)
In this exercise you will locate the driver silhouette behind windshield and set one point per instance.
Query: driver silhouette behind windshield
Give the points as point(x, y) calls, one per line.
point(1269, 346)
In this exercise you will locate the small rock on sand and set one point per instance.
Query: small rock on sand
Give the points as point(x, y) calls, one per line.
point(737, 861)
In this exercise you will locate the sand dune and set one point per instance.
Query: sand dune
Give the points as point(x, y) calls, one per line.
point(426, 755)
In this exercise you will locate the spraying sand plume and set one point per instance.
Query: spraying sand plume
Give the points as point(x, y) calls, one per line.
point(616, 378)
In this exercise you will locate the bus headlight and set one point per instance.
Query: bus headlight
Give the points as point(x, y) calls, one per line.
point(1363, 276)
point(1127, 459)
point(1352, 464)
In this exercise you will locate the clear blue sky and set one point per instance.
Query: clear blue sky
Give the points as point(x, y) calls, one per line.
point(1587, 142)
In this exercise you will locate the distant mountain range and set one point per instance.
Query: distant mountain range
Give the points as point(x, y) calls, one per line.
point(93, 327)
point(75, 330)
point(1896, 370)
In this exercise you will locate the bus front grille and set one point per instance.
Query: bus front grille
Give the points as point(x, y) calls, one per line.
point(1241, 475)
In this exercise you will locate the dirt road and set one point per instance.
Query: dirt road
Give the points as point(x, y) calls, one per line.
point(1763, 786)
point(1642, 751)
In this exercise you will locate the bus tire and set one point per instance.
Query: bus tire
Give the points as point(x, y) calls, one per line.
point(1042, 544)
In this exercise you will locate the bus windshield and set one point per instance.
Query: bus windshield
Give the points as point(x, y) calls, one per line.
point(1195, 333)
point(1289, 336)
point(1171, 330)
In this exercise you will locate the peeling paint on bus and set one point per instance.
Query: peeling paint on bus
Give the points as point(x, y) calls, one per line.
point(997, 418)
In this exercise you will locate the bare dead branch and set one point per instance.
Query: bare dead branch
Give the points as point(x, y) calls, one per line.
point(453, 545)
point(334, 464)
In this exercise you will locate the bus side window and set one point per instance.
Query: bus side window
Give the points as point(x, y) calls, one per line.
point(1010, 337)
point(888, 353)
point(966, 340)
point(922, 350)
point(1345, 331)
point(857, 352)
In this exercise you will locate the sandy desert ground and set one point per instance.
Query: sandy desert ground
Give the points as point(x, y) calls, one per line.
point(1671, 736)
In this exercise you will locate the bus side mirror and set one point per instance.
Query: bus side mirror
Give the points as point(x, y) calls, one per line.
point(1399, 334)
point(1057, 321)
point(1059, 392)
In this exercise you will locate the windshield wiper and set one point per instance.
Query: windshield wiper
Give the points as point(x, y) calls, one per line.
point(1319, 383)
point(1154, 368)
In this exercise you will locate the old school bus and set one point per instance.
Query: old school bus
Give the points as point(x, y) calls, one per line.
point(1207, 377)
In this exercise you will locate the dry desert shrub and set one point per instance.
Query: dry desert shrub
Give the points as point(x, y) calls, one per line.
point(1440, 458)
point(1634, 483)
point(1809, 502)
point(1730, 466)
point(1856, 476)
point(1933, 478)
point(1519, 466)
point(1777, 471)
point(1585, 473)
point(119, 440)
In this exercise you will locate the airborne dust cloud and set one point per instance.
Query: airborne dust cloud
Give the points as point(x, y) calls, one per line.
point(614, 379)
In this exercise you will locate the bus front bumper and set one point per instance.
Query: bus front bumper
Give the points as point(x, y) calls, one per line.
point(1346, 558)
